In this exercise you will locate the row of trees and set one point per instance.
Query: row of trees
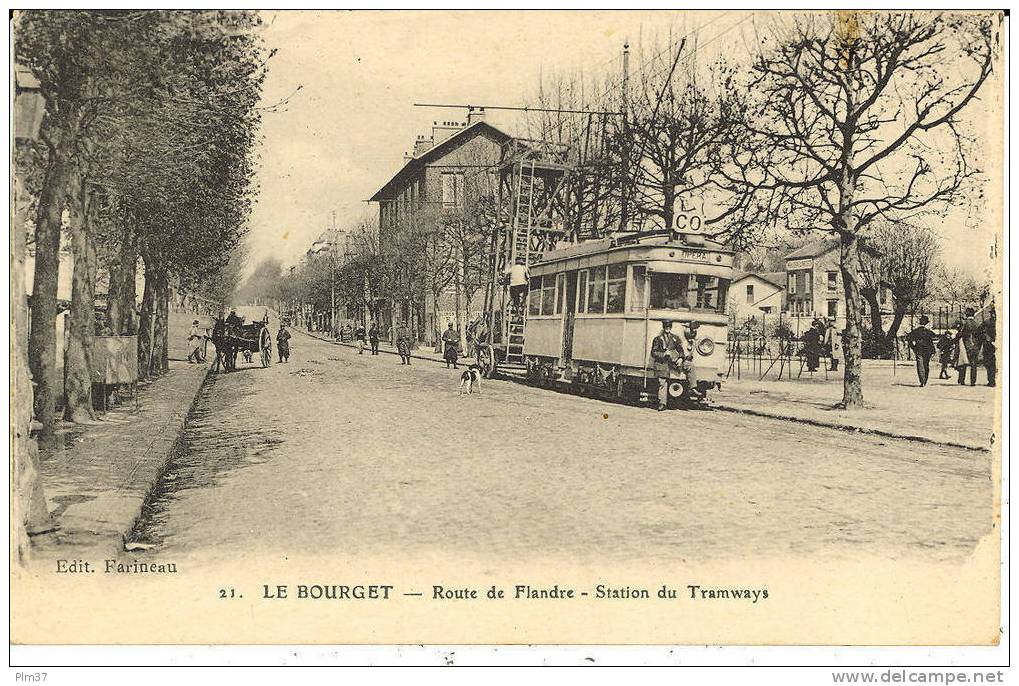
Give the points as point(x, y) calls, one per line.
point(145, 161)
point(848, 123)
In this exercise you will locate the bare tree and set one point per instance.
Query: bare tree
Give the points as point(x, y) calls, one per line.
point(853, 117)
point(681, 117)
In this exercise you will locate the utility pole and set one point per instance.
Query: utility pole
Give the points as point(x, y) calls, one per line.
point(624, 209)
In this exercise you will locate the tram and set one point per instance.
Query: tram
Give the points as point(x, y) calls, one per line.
point(594, 308)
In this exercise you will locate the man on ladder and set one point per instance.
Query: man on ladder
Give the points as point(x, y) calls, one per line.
point(518, 277)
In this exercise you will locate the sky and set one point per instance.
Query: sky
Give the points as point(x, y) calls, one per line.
point(344, 133)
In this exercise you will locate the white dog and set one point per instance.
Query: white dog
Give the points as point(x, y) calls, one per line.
point(470, 380)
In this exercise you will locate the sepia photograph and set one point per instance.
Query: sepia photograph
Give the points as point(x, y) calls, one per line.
point(509, 327)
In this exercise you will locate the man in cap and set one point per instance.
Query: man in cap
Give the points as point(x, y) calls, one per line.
point(666, 353)
point(450, 346)
point(233, 322)
point(921, 342)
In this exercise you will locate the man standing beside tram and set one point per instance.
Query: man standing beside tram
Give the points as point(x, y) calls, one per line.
point(667, 354)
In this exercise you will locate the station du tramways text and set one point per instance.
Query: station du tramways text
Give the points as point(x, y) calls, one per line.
point(516, 592)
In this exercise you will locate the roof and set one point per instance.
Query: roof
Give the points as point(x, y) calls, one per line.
point(814, 248)
point(776, 279)
point(438, 150)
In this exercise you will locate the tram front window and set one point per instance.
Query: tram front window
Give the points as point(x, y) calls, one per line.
point(695, 292)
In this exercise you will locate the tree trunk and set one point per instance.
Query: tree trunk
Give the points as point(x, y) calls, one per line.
point(160, 348)
point(893, 328)
point(28, 512)
point(852, 339)
point(145, 324)
point(81, 322)
point(42, 341)
point(120, 309)
point(876, 323)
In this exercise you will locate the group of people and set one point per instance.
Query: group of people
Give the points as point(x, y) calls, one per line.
point(967, 347)
point(820, 340)
point(372, 338)
point(225, 328)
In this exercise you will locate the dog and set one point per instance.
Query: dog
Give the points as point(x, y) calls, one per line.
point(470, 380)
point(247, 355)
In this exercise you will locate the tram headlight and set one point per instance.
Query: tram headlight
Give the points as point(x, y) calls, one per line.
point(705, 346)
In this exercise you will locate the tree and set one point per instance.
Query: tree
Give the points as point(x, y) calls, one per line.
point(854, 117)
point(680, 120)
point(263, 284)
point(57, 47)
point(905, 259)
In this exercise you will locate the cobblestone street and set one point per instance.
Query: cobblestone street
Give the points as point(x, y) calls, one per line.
point(350, 454)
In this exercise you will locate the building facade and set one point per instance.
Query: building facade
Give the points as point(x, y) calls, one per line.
point(457, 160)
point(756, 294)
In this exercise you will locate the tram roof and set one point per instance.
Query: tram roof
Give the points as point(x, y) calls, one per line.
point(629, 242)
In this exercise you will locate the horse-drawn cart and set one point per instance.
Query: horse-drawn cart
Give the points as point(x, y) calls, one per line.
point(246, 338)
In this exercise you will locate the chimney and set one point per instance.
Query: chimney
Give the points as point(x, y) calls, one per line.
point(422, 145)
point(475, 114)
point(441, 130)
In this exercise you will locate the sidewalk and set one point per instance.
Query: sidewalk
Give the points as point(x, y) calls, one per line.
point(943, 413)
point(97, 477)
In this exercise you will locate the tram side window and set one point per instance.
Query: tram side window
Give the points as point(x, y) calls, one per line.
point(560, 290)
point(582, 292)
point(615, 298)
point(534, 296)
point(639, 284)
point(711, 292)
point(670, 291)
point(547, 293)
point(596, 291)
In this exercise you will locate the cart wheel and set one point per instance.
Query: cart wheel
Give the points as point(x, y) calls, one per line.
point(265, 343)
point(486, 361)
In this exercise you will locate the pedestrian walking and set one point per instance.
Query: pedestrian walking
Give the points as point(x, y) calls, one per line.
point(450, 346)
point(373, 338)
point(194, 343)
point(921, 342)
point(990, 350)
point(283, 343)
point(970, 338)
point(359, 335)
point(946, 353)
point(832, 341)
point(403, 343)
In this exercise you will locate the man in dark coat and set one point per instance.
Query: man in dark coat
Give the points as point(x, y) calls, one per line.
point(373, 338)
point(666, 354)
point(403, 343)
point(450, 346)
point(946, 353)
point(921, 342)
point(990, 350)
point(283, 343)
point(811, 339)
point(970, 337)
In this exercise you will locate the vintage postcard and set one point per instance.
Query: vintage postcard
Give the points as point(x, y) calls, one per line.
point(507, 327)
